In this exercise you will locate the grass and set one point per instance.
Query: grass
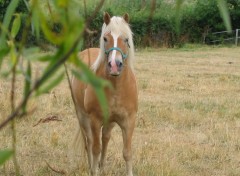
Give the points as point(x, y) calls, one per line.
point(188, 120)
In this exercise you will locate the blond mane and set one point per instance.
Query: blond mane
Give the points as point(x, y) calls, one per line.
point(119, 26)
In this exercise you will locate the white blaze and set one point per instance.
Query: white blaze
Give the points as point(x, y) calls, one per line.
point(113, 56)
point(115, 39)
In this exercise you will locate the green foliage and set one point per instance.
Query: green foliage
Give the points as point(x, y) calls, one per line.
point(222, 5)
point(3, 8)
point(16, 26)
point(27, 85)
point(6, 21)
point(173, 23)
point(5, 155)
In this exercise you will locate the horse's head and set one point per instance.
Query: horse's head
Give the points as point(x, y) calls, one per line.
point(116, 41)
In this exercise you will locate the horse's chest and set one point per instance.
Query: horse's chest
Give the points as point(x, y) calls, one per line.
point(117, 107)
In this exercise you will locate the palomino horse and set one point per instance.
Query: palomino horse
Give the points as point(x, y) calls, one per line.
point(113, 62)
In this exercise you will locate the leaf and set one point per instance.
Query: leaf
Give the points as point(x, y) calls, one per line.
point(44, 57)
point(35, 21)
point(178, 14)
point(16, 25)
point(3, 52)
point(28, 78)
point(5, 155)
point(223, 8)
point(13, 56)
point(98, 88)
point(51, 85)
point(71, 31)
point(98, 84)
point(51, 36)
point(52, 68)
point(12, 61)
point(90, 77)
point(81, 76)
point(102, 101)
point(35, 54)
point(6, 21)
point(27, 85)
point(52, 59)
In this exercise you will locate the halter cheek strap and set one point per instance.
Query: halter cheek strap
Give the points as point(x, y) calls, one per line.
point(124, 56)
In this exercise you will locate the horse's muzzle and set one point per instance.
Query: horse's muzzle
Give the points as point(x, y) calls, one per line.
point(115, 67)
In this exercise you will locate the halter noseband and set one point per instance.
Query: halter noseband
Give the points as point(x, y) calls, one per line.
point(124, 56)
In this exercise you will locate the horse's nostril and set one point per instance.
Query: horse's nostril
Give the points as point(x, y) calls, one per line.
point(119, 63)
point(109, 64)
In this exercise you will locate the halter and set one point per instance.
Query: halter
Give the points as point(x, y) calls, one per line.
point(124, 56)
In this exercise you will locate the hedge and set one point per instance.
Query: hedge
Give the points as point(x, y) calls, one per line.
point(198, 19)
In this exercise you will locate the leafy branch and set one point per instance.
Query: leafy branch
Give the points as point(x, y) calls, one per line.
point(53, 68)
point(67, 50)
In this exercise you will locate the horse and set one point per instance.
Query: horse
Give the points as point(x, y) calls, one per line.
point(113, 61)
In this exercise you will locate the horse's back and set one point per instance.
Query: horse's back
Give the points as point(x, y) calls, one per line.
point(89, 56)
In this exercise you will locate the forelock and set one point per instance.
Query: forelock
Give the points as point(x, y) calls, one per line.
point(118, 26)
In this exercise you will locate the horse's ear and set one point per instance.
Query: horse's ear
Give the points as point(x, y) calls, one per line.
point(106, 18)
point(126, 17)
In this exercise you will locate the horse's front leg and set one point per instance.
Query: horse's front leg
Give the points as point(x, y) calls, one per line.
point(96, 146)
point(127, 131)
point(106, 134)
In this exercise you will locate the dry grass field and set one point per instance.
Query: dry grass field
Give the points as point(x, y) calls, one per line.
point(188, 121)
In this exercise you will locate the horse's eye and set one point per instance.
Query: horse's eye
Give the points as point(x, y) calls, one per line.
point(105, 39)
point(126, 41)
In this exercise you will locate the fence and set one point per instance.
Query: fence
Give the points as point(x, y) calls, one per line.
point(224, 37)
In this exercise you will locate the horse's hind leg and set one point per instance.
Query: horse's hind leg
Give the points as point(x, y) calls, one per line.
point(106, 134)
point(96, 147)
point(85, 128)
